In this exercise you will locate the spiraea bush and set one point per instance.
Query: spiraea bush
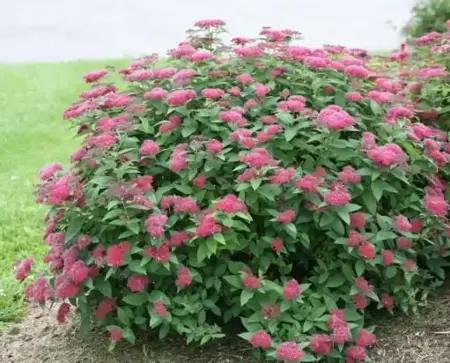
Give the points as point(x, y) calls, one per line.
point(285, 188)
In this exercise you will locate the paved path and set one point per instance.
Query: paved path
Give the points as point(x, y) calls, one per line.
point(51, 30)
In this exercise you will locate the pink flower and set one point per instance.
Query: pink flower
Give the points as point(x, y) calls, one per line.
point(362, 284)
point(201, 55)
point(286, 217)
point(309, 183)
point(365, 338)
point(115, 334)
point(250, 104)
point(212, 93)
point(155, 224)
point(353, 96)
point(356, 352)
point(78, 154)
point(159, 307)
point(357, 71)
point(289, 351)
point(245, 78)
point(79, 272)
point(104, 308)
point(291, 290)
point(357, 220)
point(156, 94)
point(298, 52)
point(416, 225)
point(436, 205)
point(180, 97)
point(149, 147)
point(184, 205)
point(116, 253)
point(178, 237)
point(380, 97)
point(387, 301)
point(250, 281)
point(160, 254)
point(261, 339)
point(335, 118)
point(321, 344)
point(117, 100)
point(403, 243)
point(337, 197)
point(184, 277)
point(341, 334)
point(199, 181)
point(387, 155)
point(360, 301)
point(282, 176)
point(207, 23)
point(427, 38)
point(234, 91)
point(315, 62)
point(207, 227)
point(140, 75)
point(249, 51)
point(24, 268)
point(261, 90)
point(259, 157)
point(348, 175)
point(184, 75)
point(230, 204)
point(277, 244)
point(63, 311)
point(93, 76)
point(49, 170)
point(354, 239)
point(387, 257)
point(402, 223)
point(214, 146)
point(409, 264)
point(367, 250)
point(137, 282)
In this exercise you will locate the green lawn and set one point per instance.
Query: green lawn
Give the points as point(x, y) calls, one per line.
point(32, 134)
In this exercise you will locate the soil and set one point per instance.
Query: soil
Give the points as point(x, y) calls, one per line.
point(38, 339)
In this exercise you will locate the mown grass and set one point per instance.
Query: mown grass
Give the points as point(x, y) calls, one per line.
point(32, 134)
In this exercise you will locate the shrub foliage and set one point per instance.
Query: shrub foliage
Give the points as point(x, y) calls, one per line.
point(291, 188)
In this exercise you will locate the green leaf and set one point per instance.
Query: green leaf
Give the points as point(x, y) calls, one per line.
point(211, 243)
point(351, 314)
point(136, 299)
point(233, 281)
point(290, 133)
point(103, 286)
point(385, 235)
point(360, 267)
point(336, 280)
point(202, 252)
point(246, 295)
point(343, 214)
point(307, 326)
point(339, 98)
point(377, 190)
point(255, 183)
point(326, 219)
point(124, 316)
point(391, 271)
point(155, 320)
point(128, 335)
point(375, 107)
point(186, 189)
point(188, 130)
point(137, 267)
point(369, 201)
point(134, 227)
point(240, 226)
point(291, 229)
point(74, 228)
point(347, 271)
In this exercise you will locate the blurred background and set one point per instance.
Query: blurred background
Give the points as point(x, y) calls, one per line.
point(55, 30)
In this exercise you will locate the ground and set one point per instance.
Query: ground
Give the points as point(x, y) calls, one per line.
point(421, 339)
point(32, 133)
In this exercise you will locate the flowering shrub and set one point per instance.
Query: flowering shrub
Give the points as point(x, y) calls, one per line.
point(288, 187)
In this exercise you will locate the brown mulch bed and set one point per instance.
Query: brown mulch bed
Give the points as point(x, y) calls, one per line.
point(37, 339)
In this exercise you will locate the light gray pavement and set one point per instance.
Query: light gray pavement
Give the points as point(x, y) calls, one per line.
point(55, 30)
